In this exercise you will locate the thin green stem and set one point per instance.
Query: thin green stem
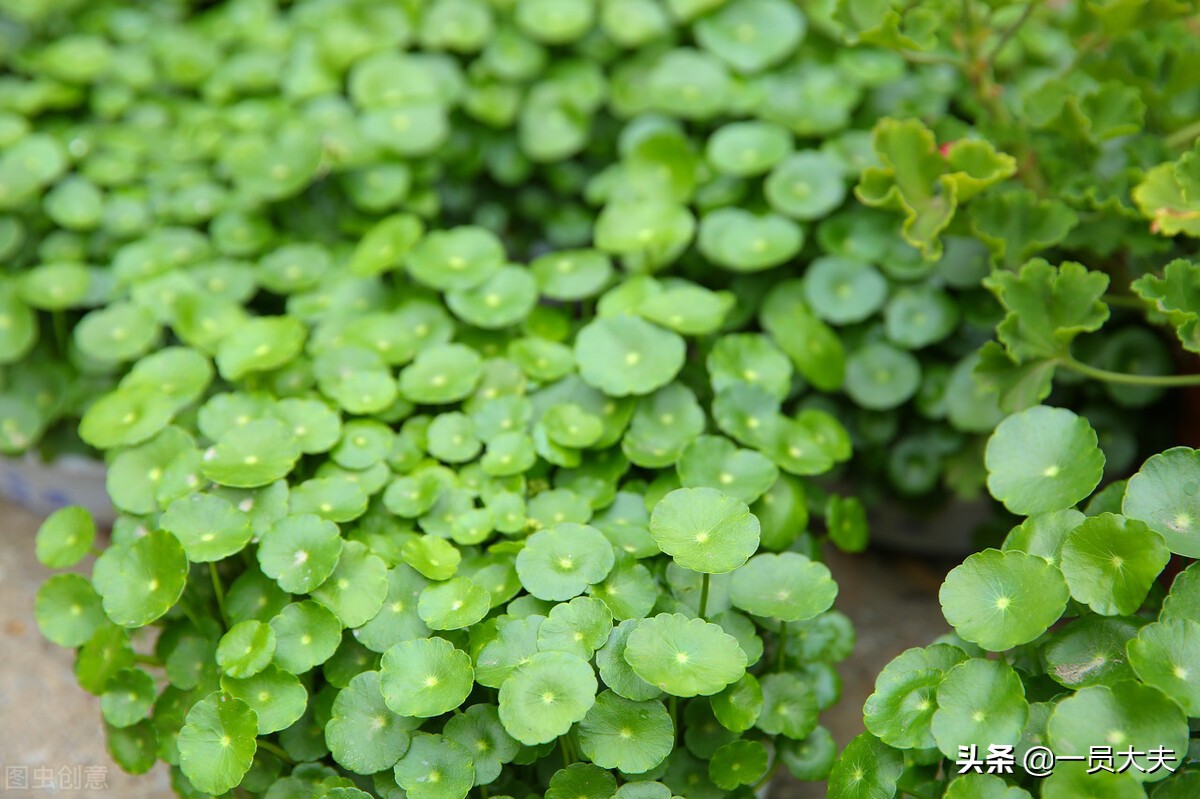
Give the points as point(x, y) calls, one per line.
point(566, 751)
point(1008, 34)
point(673, 706)
point(1123, 378)
point(190, 612)
point(275, 750)
point(770, 775)
point(147, 660)
point(782, 658)
point(1185, 136)
point(703, 595)
point(59, 320)
point(218, 592)
point(1125, 301)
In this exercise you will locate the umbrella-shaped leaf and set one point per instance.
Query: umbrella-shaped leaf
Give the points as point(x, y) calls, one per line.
point(425, 677)
point(1110, 562)
point(739, 705)
point(812, 758)
point(684, 657)
point(1165, 655)
point(543, 697)
point(300, 552)
point(746, 149)
point(629, 591)
point(362, 733)
point(616, 671)
point(128, 698)
point(881, 377)
point(257, 453)
point(805, 185)
point(738, 763)
point(716, 462)
point(140, 581)
point(356, 589)
point(501, 300)
point(459, 258)
point(619, 733)
point(624, 355)
point(704, 530)
point(751, 35)
point(1043, 459)
point(1003, 599)
point(433, 557)
point(398, 619)
point(454, 604)
point(68, 610)
point(986, 786)
point(980, 702)
point(65, 537)
point(578, 627)
point(441, 374)
point(1165, 494)
point(787, 586)
point(306, 635)
point(560, 562)
point(572, 275)
point(217, 743)
point(1127, 715)
point(581, 781)
point(246, 649)
point(1183, 601)
point(515, 643)
point(900, 711)
point(842, 290)
point(260, 345)
point(789, 706)
point(749, 358)
point(126, 417)
point(276, 697)
point(479, 731)
point(435, 767)
point(688, 309)
point(662, 425)
point(1091, 651)
point(867, 769)
point(209, 527)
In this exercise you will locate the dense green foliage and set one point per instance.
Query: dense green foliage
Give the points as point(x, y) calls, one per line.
point(479, 380)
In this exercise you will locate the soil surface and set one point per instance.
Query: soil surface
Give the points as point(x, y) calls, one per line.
point(51, 733)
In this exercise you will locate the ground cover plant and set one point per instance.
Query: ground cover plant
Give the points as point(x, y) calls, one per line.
point(480, 380)
point(1079, 636)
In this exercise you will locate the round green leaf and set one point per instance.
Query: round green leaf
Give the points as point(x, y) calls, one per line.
point(435, 767)
point(217, 743)
point(842, 290)
point(867, 769)
point(260, 345)
point(623, 355)
point(140, 581)
point(300, 552)
point(246, 649)
point(746, 149)
point(441, 374)
point(578, 627)
point(572, 275)
point(742, 241)
point(1003, 599)
point(460, 258)
point(306, 635)
point(454, 604)
point(1165, 494)
point(1110, 562)
point(980, 702)
point(559, 563)
point(1125, 715)
point(257, 453)
point(1165, 655)
point(209, 527)
point(65, 537)
point(1043, 459)
point(619, 733)
point(68, 610)
point(787, 586)
point(684, 657)
point(544, 696)
point(362, 733)
point(128, 698)
point(900, 711)
point(738, 763)
point(356, 589)
point(276, 697)
point(479, 731)
point(704, 530)
point(715, 462)
point(805, 185)
point(880, 377)
point(503, 299)
point(425, 677)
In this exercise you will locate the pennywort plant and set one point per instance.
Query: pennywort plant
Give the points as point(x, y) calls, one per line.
point(1079, 635)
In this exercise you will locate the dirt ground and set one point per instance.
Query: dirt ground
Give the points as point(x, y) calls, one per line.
point(51, 735)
